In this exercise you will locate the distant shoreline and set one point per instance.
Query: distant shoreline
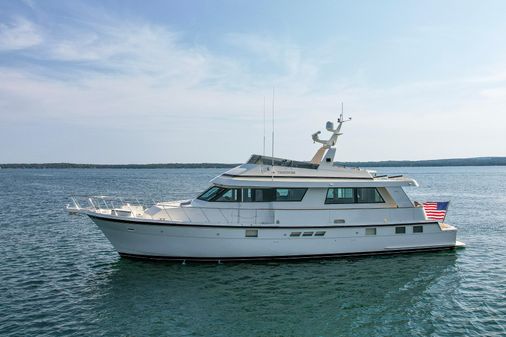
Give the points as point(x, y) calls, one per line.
point(478, 161)
point(115, 166)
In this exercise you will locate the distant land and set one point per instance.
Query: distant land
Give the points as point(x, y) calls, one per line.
point(116, 166)
point(478, 161)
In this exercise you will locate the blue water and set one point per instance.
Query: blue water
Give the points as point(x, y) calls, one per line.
point(59, 276)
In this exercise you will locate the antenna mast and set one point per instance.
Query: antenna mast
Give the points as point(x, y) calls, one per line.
point(272, 160)
point(331, 142)
point(264, 129)
point(336, 132)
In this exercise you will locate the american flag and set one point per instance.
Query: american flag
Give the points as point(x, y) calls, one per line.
point(436, 210)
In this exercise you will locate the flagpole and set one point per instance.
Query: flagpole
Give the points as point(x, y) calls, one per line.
point(447, 207)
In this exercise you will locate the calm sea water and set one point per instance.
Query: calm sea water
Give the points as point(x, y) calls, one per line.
point(60, 276)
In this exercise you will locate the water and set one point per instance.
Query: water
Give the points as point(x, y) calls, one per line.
point(59, 276)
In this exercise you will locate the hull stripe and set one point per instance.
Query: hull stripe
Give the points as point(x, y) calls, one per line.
point(155, 223)
point(294, 176)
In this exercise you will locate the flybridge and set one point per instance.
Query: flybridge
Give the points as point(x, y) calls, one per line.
point(264, 171)
point(324, 156)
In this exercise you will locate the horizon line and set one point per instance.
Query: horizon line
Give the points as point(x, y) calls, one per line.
point(468, 161)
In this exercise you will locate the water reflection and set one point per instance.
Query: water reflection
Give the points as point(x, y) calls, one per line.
point(364, 296)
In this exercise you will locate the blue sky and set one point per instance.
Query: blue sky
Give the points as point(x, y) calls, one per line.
point(185, 81)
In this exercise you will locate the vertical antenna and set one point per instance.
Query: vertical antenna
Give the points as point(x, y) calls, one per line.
point(272, 162)
point(264, 129)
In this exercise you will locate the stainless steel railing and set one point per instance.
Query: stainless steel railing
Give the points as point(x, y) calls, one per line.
point(175, 211)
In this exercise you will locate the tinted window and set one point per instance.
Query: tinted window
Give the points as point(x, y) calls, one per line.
point(400, 230)
point(257, 194)
point(271, 194)
point(251, 233)
point(231, 195)
point(290, 194)
point(340, 196)
point(370, 231)
point(263, 195)
point(247, 194)
point(348, 195)
point(368, 195)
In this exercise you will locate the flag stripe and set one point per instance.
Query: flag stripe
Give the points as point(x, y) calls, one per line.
point(435, 210)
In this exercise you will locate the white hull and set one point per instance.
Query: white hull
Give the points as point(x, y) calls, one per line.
point(203, 242)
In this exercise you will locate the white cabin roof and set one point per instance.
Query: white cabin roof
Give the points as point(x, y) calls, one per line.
point(287, 173)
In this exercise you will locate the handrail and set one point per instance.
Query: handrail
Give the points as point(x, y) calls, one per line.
point(166, 204)
point(134, 208)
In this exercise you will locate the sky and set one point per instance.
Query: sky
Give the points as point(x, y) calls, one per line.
point(186, 81)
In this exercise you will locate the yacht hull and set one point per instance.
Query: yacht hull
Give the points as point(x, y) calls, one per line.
point(178, 241)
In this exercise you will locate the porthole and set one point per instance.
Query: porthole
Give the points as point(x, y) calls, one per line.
point(400, 230)
point(251, 233)
point(370, 231)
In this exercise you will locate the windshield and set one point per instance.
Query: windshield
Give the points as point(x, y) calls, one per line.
point(221, 194)
point(210, 194)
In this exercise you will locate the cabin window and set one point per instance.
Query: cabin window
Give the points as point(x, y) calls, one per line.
point(273, 194)
point(251, 233)
point(307, 234)
point(400, 230)
point(319, 233)
point(290, 194)
point(256, 194)
point(229, 195)
point(368, 195)
point(349, 195)
point(370, 231)
point(247, 195)
point(340, 196)
point(220, 194)
point(417, 229)
point(295, 234)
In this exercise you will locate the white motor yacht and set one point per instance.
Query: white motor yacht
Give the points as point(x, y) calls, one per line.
point(274, 208)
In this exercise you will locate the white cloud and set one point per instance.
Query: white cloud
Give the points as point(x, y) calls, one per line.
point(145, 82)
point(19, 34)
point(494, 93)
point(263, 47)
point(135, 49)
point(293, 68)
